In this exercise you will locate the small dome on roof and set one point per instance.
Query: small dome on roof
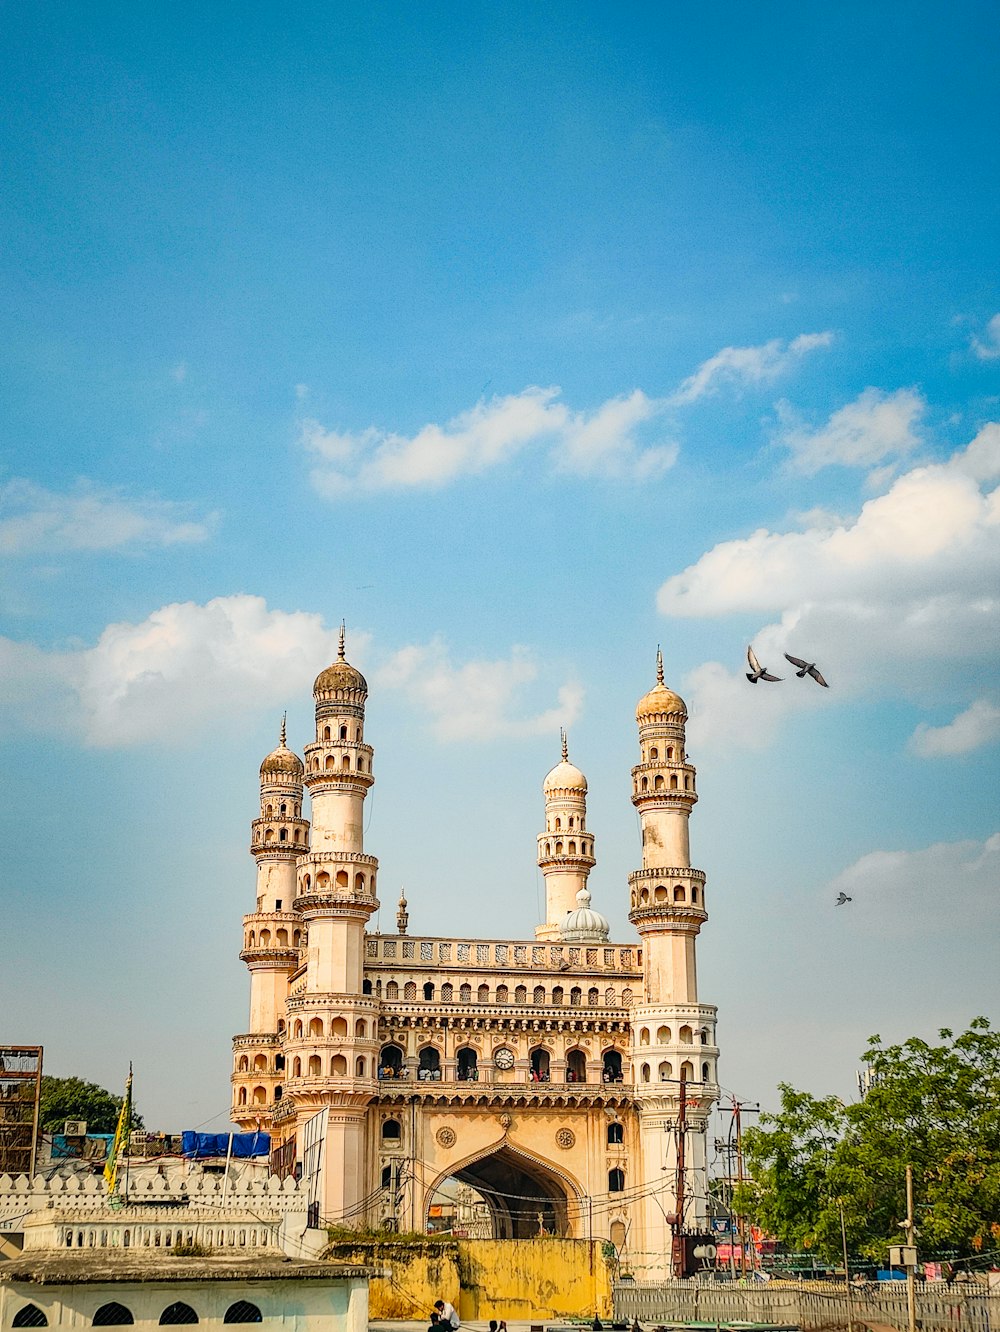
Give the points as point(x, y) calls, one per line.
point(660, 700)
point(565, 775)
point(282, 760)
point(584, 925)
point(341, 676)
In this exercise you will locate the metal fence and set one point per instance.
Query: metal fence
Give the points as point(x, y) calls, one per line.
point(814, 1306)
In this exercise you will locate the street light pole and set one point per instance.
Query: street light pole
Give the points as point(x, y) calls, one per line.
point(847, 1275)
point(911, 1240)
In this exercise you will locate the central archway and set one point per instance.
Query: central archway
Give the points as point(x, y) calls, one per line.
point(525, 1197)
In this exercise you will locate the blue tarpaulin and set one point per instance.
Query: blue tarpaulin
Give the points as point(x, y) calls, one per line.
point(196, 1145)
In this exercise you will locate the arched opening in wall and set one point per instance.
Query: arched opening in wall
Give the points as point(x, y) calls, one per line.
point(297, 1030)
point(390, 1062)
point(296, 1067)
point(281, 1021)
point(265, 938)
point(322, 881)
point(361, 1029)
point(282, 938)
point(244, 1065)
point(678, 893)
point(315, 1027)
point(673, 781)
point(483, 994)
point(645, 783)
point(559, 848)
point(338, 1029)
point(520, 994)
point(557, 994)
point(644, 1072)
point(260, 1063)
point(611, 1066)
point(177, 1313)
point(539, 995)
point(410, 990)
point(465, 994)
point(687, 1071)
point(330, 763)
point(295, 836)
point(429, 1064)
point(359, 883)
point(706, 1072)
point(694, 894)
point(576, 1066)
point(327, 734)
point(687, 782)
point(558, 824)
point(686, 1036)
point(575, 996)
point(570, 821)
point(243, 1312)
point(660, 893)
point(658, 783)
point(468, 1065)
point(342, 878)
point(429, 990)
point(243, 1096)
point(593, 997)
point(259, 1096)
point(616, 1134)
point(643, 1035)
point(538, 1061)
point(515, 1196)
point(391, 990)
point(113, 1315)
point(338, 1066)
point(616, 1180)
point(571, 849)
point(665, 1071)
point(391, 1130)
point(315, 1066)
point(654, 753)
point(343, 733)
point(447, 993)
point(283, 835)
point(366, 986)
point(618, 1234)
point(359, 1067)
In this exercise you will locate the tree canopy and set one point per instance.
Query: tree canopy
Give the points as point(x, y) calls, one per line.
point(934, 1107)
point(72, 1098)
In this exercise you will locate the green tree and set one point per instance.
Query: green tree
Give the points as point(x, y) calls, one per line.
point(72, 1098)
point(933, 1106)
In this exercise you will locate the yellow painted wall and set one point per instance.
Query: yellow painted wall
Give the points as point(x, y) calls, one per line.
point(511, 1279)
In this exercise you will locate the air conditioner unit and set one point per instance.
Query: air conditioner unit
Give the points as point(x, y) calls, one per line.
point(75, 1128)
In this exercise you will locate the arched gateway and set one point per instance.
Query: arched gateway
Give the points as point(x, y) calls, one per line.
point(546, 1073)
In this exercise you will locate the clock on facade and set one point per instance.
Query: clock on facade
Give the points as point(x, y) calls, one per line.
point(504, 1059)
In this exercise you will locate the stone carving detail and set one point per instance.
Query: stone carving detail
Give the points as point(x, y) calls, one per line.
point(566, 1138)
point(446, 1137)
point(505, 1122)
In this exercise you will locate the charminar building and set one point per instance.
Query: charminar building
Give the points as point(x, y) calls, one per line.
point(550, 1073)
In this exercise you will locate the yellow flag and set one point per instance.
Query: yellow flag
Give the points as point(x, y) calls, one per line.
point(121, 1135)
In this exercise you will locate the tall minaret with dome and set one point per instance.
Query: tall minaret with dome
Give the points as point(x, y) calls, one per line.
point(673, 1035)
point(566, 847)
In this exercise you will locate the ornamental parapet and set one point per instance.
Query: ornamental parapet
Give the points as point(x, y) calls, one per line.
point(573, 961)
point(268, 956)
point(344, 780)
point(337, 902)
point(310, 858)
point(515, 1018)
point(533, 1094)
point(665, 799)
point(667, 916)
point(265, 836)
point(566, 861)
point(251, 1039)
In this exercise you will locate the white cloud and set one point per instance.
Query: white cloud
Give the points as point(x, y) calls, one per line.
point(91, 517)
point(747, 365)
point(888, 603)
point(479, 700)
point(874, 426)
point(161, 680)
point(977, 726)
point(919, 892)
point(987, 348)
point(486, 436)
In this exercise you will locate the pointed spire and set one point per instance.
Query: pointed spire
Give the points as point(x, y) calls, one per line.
point(341, 645)
point(565, 744)
point(659, 665)
point(284, 736)
point(402, 915)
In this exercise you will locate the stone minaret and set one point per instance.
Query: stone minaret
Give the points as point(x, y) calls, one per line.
point(672, 1033)
point(272, 935)
point(565, 848)
point(332, 1045)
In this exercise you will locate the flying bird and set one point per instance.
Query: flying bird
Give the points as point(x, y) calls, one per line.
point(842, 898)
point(806, 668)
point(757, 671)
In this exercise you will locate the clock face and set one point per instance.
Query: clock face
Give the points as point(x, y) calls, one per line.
point(504, 1059)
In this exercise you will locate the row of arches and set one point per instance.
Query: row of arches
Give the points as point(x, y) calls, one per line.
point(662, 894)
point(653, 753)
point(392, 1064)
point(337, 1029)
point(685, 1035)
point(281, 811)
point(660, 785)
point(341, 880)
point(328, 733)
point(279, 939)
point(570, 823)
point(114, 1314)
point(330, 763)
point(557, 997)
point(260, 1064)
point(560, 848)
point(298, 836)
point(665, 1072)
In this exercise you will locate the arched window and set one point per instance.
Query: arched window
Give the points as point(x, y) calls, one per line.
point(673, 781)
point(539, 1064)
point(391, 1130)
point(558, 824)
point(338, 1028)
point(410, 990)
point(243, 1312)
point(658, 782)
point(175, 1314)
point(643, 1035)
point(593, 998)
point(429, 1063)
point(446, 993)
point(612, 1066)
point(539, 996)
point(686, 1035)
point(283, 835)
point(390, 1062)
point(243, 1096)
point(645, 783)
point(296, 1067)
point(557, 994)
point(243, 1065)
point(662, 1035)
point(359, 883)
point(259, 1096)
point(326, 733)
point(387, 1176)
point(359, 1068)
point(644, 1072)
point(576, 996)
point(616, 1180)
point(666, 1070)
point(706, 1073)
point(618, 1234)
point(113, 1315)
point(391, 990)
point(483, 994)
point(260, 1063)
point(315, 1066)
point(29, 1315)
point(465, 994)
point(576, 1066)
point(654, 753)
point(315, 1027)
point(468, 1065)
point(687, 1071)
point(361, 1028)
point(343, 733)
point(521, 994)
point(338, 1066)
point(429, 990)
point(616, 1134)
point(366, 986)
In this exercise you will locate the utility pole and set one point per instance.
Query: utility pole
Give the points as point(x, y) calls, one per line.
point(678, 1254)
point(847, 1275)
point(911, 1240)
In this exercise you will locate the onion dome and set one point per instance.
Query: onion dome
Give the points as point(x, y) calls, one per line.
point(565, 776)
point(660, 701)
point(583, 925)
point(341, 677)
point(282, 760)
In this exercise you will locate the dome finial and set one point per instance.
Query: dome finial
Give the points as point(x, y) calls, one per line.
point(565, 744)
point(284, 737)
point(659, 665)
point(341, 644)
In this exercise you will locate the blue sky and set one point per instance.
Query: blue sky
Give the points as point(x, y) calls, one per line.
point(523, 338)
